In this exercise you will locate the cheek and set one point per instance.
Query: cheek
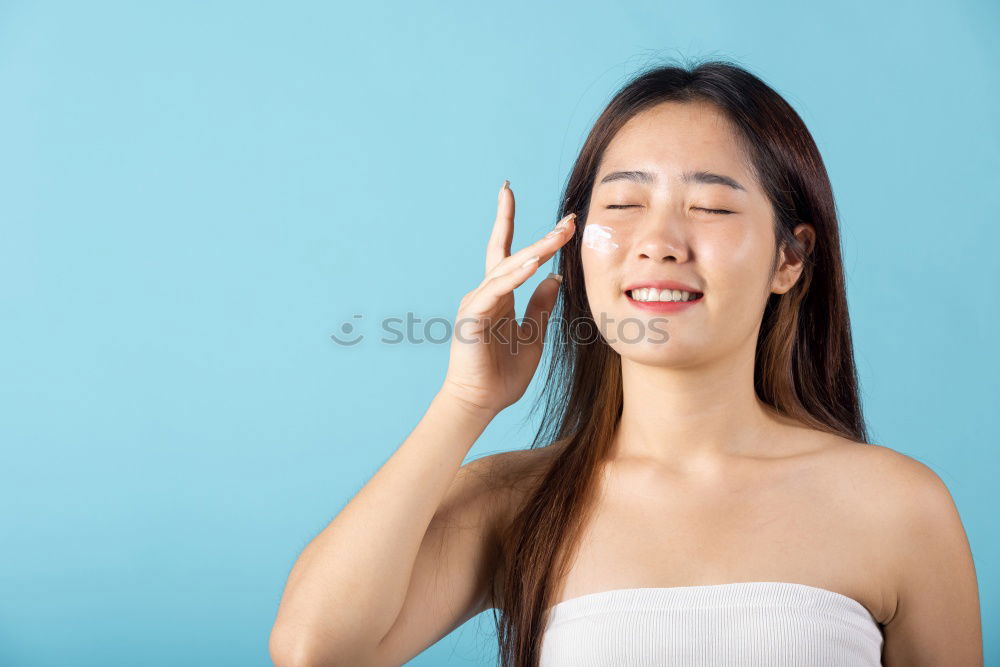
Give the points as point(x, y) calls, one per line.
point(596, 271)
point(601, 249)
point(736, 257)
point(601, 239)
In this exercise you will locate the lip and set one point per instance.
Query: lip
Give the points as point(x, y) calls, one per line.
point(663, 306)
point(662, 284)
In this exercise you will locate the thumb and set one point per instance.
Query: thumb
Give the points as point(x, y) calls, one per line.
point(531, 331)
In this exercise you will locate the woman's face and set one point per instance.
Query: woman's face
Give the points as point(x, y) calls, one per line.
point(651, 219)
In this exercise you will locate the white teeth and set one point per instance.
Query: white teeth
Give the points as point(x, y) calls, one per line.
point(653, 294)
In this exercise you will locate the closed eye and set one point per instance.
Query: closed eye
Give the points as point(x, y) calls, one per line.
point(714, 211)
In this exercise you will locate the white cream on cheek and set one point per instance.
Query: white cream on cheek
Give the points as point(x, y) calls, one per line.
point(599, 238)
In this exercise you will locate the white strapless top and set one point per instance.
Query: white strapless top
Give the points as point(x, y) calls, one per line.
point(770, 623)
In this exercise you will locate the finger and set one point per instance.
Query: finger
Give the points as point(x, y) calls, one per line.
point(498, 246)
point(544, 247)
point(490, 292)
point(531, 331)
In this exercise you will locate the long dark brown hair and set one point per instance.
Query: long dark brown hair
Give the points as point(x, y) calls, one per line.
point(804, 366)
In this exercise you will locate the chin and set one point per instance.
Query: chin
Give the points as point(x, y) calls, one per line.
point(657, 347)
point(671, 353)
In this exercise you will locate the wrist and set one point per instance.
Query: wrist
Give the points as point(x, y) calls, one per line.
point(451, 398)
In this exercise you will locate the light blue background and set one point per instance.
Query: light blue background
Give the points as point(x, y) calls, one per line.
point(194, 196)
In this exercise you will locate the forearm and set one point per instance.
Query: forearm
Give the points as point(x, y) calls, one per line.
point(349, 584)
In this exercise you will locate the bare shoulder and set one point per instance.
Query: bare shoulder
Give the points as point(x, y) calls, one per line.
point(513, 472)
point(935, 608)
point(905, 493)
point(895, 478)
point(917, 504)
point(482, 491)
point(510, 477)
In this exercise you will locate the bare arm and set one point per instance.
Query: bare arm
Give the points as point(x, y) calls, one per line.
point(457, 562)
point(418, 534)
point(937, 617)
point(348, 586)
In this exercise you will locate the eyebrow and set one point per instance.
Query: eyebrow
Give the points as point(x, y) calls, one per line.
point(647, 178)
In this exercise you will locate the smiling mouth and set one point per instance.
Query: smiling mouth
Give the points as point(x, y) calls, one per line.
point(653, 295)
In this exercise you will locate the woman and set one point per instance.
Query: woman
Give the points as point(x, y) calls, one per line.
point(700, 491)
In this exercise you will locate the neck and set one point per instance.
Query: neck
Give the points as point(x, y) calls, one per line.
point(692, 418)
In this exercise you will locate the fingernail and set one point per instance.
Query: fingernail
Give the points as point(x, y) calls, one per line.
point(502, 188)
point(530, 261)
point(562, 224)
point(556, 276)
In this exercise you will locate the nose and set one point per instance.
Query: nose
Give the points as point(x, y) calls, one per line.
point(662, 238)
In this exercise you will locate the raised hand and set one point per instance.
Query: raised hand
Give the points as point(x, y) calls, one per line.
point(493, 357)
